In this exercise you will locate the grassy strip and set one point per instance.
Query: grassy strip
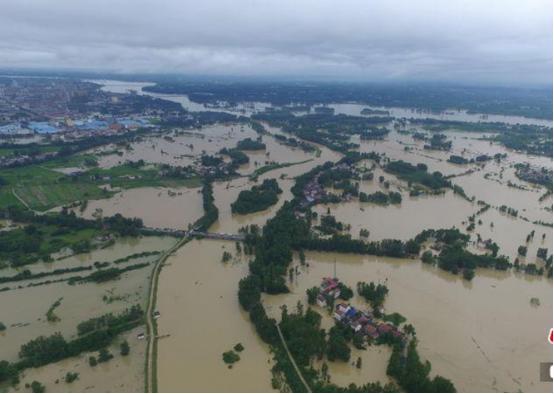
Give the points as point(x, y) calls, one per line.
point(271, 167)
point(27, 275)
point(211, 212)
point(106, 275)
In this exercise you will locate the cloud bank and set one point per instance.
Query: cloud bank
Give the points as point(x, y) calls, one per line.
point(472, 41)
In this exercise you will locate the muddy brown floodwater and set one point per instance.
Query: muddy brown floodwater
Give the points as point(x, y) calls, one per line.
point(157, 207)
point(484, 335)
point(200, 313)
point(23, 311)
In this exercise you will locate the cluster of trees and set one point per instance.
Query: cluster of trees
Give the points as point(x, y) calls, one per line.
point(374, 133)
point(22, 246)
point(44, 234)
point(93, 335)
point(295, 143)
point(110, 321)
point(438, 142)
point(331, 176)
point(124, 348)
point(344, 243)
point(274, 248)
point(373, 293)
point(538, 175)
point(238, 157)
point(508, 210)
point(303, 334)
point(126, 227)
point(338, 345)
point(258, 198)
point(455, 259)
point(417, 174)
point(332, 131)
point(211, 212)
point(230, 357)
point(250, 144)
point(441, 237)
point(533, 140)
point(273, 254)
point(370, 111)
point(176, 172)
point(372, 387)
point(210, 161)
point(330, 225)
point(196, 119)
point(381, 198)
point(312, 294)
point(258, 128)
point(456, 159)
point(451, 243)
point(8, 372)
point(104, 275)
point(70, 377)
point(413, 375)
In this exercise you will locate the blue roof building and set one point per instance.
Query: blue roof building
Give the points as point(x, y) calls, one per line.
point(42, 128)
point(91, 124)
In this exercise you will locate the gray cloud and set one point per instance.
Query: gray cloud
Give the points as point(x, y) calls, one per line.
point(495, 41)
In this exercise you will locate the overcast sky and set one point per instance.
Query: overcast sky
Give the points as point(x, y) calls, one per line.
point(471, 41)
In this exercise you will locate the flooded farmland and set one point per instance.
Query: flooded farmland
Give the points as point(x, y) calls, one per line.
point(484, 334)
point(157, 207)
point(455, 300)
point(428, 297)
point(122, 374)
point(24, 310)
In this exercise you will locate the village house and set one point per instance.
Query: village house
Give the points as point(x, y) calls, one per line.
point(364, 323)
point(329, 289)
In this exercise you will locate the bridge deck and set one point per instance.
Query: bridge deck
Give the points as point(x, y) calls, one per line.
point(192, 233)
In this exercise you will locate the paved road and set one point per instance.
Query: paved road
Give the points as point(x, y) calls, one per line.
point(151, 370)
point(292, 358)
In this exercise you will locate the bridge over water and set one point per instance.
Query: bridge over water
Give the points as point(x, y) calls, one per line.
point(195, 233)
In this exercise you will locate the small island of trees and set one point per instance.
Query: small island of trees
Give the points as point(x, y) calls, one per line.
point(258, 198)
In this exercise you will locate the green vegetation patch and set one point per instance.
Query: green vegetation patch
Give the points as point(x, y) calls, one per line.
point(41, 187)
point(38, 241)
point(258, 198)
point(417, 174)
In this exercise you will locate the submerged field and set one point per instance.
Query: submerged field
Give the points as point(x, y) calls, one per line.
point(484, 334)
